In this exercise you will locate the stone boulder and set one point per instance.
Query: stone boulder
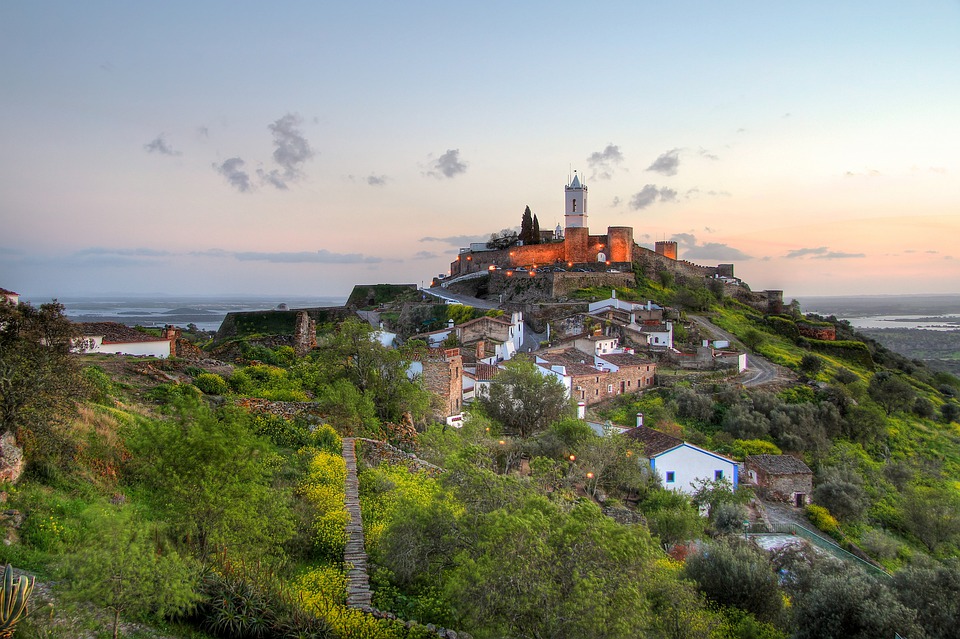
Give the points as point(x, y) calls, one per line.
point(11, 459)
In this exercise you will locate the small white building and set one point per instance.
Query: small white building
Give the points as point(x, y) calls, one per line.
point(118, 339)
point(679, 464)
point(9, 296)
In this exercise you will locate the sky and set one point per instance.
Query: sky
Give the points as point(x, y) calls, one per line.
point(299, 148)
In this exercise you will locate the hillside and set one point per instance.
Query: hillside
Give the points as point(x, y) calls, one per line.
point(230, 482)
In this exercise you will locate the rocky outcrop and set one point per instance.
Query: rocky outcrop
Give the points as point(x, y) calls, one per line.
point(11, 459)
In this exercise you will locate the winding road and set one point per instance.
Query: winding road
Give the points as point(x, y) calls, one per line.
point(759, 369)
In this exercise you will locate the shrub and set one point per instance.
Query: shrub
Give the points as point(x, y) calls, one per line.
point(324, 490)
point(211, 384)
point(735, 573)
point(822, 519)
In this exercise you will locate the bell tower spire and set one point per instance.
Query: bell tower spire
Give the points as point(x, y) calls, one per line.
point(575, 209)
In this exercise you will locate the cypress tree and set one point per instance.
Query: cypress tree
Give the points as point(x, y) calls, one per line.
point(536, 231)
point(526, 227)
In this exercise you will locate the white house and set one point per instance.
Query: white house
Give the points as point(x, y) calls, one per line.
point(10, 296)
point(680, 464)
point(117, 339)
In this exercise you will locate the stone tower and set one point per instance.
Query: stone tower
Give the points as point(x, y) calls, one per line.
point(575, 208)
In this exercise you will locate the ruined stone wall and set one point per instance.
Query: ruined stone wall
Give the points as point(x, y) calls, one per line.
point(304, 334)
point(811, 331)
point(374, 452)
point(563, 284)
point(288, 410)
point(443, 376)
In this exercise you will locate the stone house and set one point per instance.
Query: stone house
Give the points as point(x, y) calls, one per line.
point(594, 378)
point(780, 477)
point(441, 370)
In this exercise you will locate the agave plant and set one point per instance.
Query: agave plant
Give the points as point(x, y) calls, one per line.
point(13, 601)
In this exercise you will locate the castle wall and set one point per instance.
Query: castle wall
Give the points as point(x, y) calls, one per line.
point(666, 249)
point(620, 241)
point(575, 241)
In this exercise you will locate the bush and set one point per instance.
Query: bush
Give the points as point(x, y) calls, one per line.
point(822, 519)
point(736, 573)
point(211, 384)
point(842, 494)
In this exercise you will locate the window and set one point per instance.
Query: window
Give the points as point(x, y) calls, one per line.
point(609, 388)
point(574, 205)
point(671, 476)
point(596, 392)
point(718, 475)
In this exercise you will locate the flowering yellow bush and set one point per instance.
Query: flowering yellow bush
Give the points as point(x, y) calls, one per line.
point(324, 490)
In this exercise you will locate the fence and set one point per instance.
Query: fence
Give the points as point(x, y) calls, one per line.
point(827, 546)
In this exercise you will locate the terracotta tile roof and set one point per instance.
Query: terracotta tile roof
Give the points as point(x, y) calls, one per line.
point(574, 361)
point(626, 359)
point(779, 464)
point(486, 372)
point(115, 333)
point(654, 442)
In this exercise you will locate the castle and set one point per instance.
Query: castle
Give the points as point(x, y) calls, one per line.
point(575, 248)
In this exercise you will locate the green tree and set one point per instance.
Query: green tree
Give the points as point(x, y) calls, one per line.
point(841, 492)
point(934, 592)
point(211, 478)
point(377, 372)
point(540, 572)
point(535, 231)
point(846, 603)
point(125, 571)
point(932, 515)
point(732, 572)
point(526, 227)
point(753, 339)
point(811, 364)
point(523, 400)
point(40, 379)
point(891, 391)
point(950, 412)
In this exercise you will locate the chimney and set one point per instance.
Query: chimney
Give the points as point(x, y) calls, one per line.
point(613, 293)
point(450, 323)
point(481, 350)
point(581, 410)
point(639, 420)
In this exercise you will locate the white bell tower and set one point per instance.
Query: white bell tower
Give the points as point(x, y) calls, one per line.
point(575, 211)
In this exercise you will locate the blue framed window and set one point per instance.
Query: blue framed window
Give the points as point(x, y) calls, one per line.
point(718, 474)
point(671, 476)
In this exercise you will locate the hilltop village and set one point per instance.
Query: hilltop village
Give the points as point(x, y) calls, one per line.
point(566, 435)
point(530, 288)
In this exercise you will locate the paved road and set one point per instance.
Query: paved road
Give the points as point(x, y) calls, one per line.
point(448, 296)
point(759, 369)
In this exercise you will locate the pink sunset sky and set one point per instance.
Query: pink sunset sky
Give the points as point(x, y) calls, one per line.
point(300, 148)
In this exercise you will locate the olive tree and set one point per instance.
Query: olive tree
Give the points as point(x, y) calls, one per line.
point(525, 401)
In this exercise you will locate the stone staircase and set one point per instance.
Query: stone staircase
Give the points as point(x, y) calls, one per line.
point(358, 583)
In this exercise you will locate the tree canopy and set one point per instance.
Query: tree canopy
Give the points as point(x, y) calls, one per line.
point(40, 378)
point(524, 401)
